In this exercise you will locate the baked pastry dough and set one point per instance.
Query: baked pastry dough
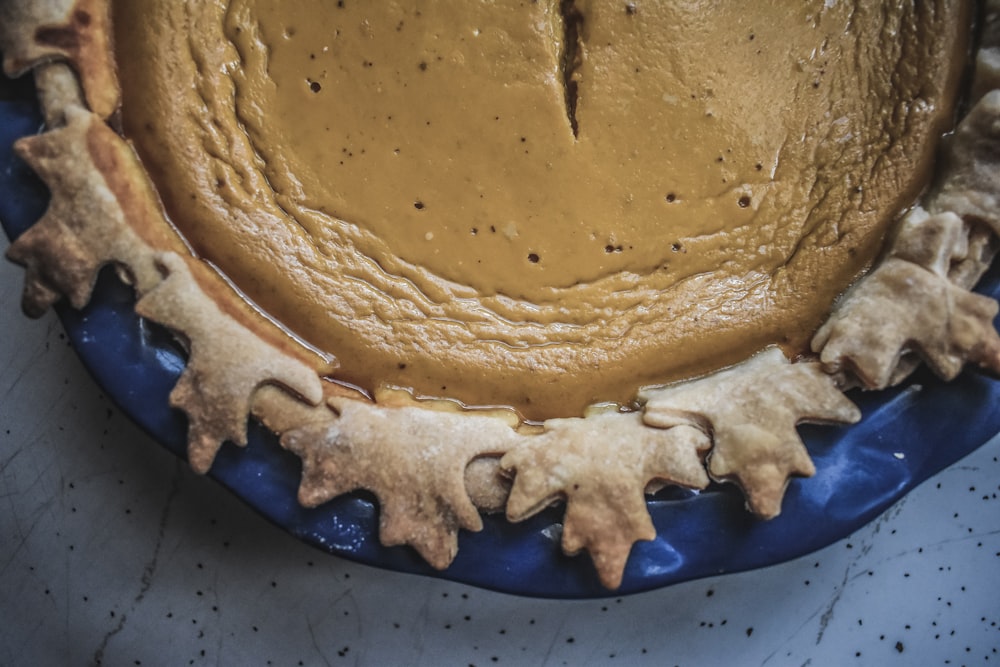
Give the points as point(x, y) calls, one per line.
point(432, 463)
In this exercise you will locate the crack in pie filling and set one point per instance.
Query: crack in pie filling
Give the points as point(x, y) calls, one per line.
point(489, 256)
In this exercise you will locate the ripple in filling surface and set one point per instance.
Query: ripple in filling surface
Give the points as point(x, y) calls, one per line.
point(538, 204)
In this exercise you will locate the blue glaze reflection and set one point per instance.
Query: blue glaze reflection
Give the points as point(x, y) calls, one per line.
point(655, 559)
point(336, 534)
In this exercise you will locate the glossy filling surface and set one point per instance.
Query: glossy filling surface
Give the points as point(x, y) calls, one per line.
point(538, 204)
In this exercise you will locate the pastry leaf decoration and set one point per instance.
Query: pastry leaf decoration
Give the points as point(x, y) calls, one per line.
point(910, 303)
point(751, 412)
point(413, 459)
point(902, 307)
point(63, 251)
point(218, 403)
point(601, 466)
point(75, 31)
point(85, 226)
point(971, 188)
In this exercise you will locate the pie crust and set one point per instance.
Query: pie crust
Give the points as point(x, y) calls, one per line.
point(434, 466)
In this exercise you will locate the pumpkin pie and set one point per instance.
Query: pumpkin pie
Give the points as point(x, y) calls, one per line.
point(481, 257)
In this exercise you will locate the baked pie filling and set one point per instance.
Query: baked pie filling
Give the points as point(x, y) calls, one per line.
point(536, 206)
point(453, 198)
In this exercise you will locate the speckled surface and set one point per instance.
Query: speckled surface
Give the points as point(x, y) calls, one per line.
point(112, 552)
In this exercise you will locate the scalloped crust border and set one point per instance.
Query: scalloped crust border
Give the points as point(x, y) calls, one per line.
point(433, 467)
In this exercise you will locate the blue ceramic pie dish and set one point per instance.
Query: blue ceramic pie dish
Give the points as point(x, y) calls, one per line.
point(906, 435)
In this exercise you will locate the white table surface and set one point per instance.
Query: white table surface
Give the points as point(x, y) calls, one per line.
point(112, 552)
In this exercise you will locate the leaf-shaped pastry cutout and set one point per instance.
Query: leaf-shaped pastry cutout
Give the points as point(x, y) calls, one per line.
point(945, 244)
point(899, 307)
point(97, 197)
point(413, 459)
point(227, 362)
point(971, 187)
point(63, 251)
point(601, 465)
point(751, 411)
point(77, 31)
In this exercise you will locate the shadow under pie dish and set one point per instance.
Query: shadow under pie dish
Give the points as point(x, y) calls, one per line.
point(729, 261)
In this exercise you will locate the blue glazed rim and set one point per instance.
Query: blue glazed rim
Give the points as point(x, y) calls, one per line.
point(906, 435)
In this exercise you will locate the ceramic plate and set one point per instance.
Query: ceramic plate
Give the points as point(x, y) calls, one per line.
point(906, 435)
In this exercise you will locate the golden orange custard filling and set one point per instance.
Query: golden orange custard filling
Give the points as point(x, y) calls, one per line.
point(542, 204)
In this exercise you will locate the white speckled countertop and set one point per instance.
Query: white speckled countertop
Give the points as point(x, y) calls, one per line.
point(112, 552)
